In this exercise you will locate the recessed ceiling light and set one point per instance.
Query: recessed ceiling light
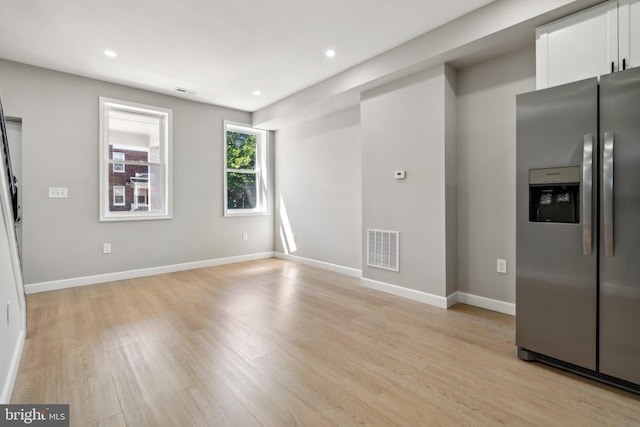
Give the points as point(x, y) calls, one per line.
point(257, 93)
point(110, 53)
point(330, 53)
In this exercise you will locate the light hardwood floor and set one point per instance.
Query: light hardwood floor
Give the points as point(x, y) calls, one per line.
point(276, 343)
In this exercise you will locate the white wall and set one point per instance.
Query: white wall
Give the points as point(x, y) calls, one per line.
point(404, 128)
point(318, 176)
point(409, 125)
point(451, 179)
point(486, 142)
point(62, 238)
point(329, 198)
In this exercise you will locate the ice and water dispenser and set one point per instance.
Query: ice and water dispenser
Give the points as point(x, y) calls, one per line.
point(554, 195)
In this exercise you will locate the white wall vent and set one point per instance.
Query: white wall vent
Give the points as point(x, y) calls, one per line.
point(383, 249)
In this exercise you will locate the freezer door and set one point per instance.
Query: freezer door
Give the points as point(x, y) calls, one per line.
point(556, 268)
point(620, 225)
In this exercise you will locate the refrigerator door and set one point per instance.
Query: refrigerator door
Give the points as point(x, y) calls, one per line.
point(556, 267)
point(620, 225)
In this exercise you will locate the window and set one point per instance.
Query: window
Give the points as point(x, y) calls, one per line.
point(245, 178)
point(135, 161)
point(118, 167)
point(118, 195)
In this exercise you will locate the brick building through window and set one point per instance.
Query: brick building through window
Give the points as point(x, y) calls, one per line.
point(133, 178)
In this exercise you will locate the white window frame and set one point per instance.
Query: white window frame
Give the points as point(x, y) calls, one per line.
point(166, 117)
point(124, 195)
point(261, 170)
point(118, 167)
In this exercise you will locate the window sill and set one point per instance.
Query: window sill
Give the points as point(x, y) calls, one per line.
point(232, 213)
point(134, 217)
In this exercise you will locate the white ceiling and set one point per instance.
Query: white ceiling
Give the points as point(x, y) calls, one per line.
point(223, 50)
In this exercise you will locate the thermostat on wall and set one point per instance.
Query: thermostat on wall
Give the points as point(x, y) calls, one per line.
point(399, 174)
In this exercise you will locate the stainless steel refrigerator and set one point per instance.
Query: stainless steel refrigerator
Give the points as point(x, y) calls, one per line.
point(578, 227)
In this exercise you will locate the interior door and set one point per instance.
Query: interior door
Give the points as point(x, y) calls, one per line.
point(620, 226)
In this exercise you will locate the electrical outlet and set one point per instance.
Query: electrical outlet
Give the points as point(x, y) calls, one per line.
point(245, 236)
point(58, 192)
point(501, 266)
point(106, 248)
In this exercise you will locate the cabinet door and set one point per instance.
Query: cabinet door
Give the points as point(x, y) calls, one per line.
point(580, 46)
point(629, 15)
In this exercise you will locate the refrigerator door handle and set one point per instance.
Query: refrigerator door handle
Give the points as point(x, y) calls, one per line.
point(587, 193)
point(607, 192)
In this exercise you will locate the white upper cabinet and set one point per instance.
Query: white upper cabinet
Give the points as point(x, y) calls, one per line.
point(599, 40)
point(629, 22)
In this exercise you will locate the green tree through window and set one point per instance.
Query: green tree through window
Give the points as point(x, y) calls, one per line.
point(241, 171)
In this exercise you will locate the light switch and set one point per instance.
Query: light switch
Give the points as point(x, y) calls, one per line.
point(58, 192)
point(399, 174)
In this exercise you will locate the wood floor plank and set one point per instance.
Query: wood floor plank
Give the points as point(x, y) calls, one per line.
point(329, 395)
point(272, 343)
point(113, 421)
point(220, 406)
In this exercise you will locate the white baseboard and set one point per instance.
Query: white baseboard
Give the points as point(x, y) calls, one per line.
point(353, 272)
point(412, 294)
point(10, 380)
point(132, 274)
point(488, 303)
point(442, 302)
point(452, 299)
point(435, 300)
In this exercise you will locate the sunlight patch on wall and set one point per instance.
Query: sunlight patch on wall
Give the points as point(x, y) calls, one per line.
point(286, 233)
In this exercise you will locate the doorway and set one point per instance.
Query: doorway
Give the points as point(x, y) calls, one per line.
point(14, 134)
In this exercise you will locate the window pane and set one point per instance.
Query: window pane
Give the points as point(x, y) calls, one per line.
point(245, 162)
point(136, 132)
point(118, 195)
point(117, 155)
point(143, 188)
point(135, 145)
point(121, 153)
point(241, 190)
point(135, 179)
point(241, 150)
point(155, 192)
point(117, 182)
